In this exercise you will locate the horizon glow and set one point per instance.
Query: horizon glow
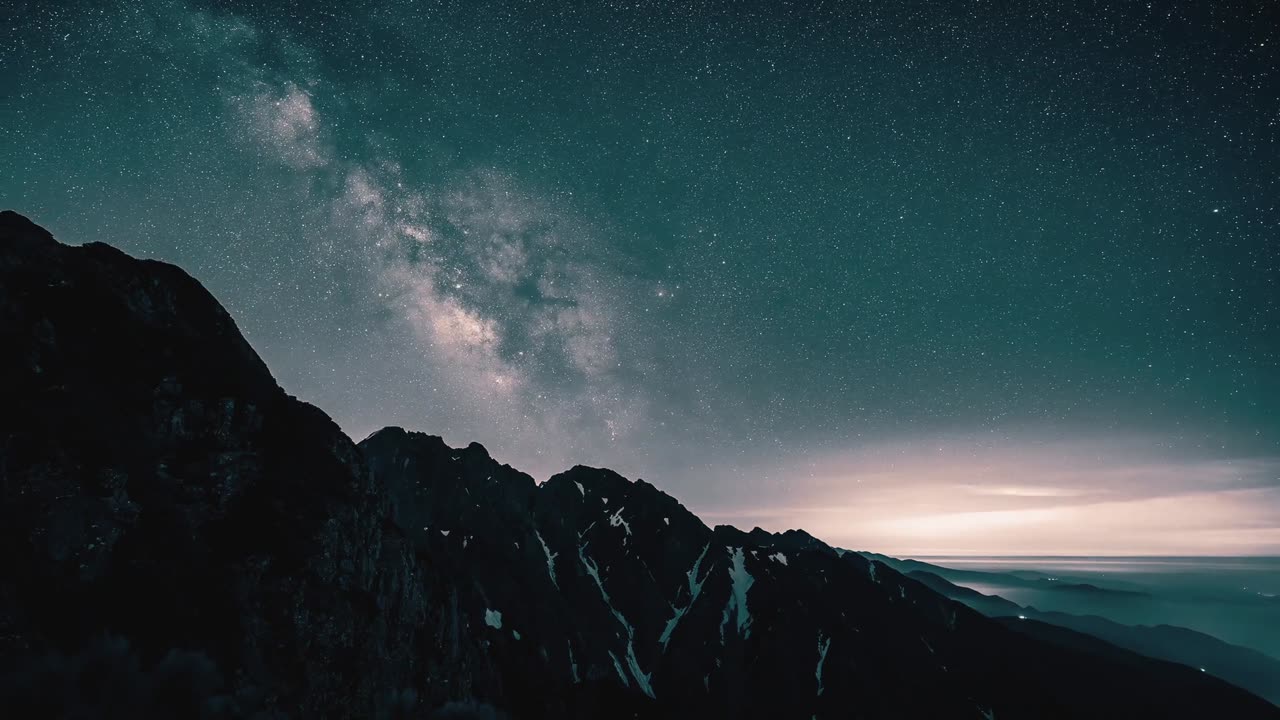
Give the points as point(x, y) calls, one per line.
point(870, 271)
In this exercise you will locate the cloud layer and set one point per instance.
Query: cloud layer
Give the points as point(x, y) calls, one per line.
point(1034, 496)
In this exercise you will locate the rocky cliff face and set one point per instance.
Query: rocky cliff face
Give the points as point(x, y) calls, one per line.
point(157, 488)
point(591, 584)
point(157, 485)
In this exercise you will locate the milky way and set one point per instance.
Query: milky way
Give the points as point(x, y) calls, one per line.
point(934, 279)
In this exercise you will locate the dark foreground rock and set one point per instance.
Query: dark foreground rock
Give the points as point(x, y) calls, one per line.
point(180, 538)
point(159, 487)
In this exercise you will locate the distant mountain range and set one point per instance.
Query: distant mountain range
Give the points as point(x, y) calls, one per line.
point(181, 538)
point(1247, 668)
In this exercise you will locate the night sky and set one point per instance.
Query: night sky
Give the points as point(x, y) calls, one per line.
point(950, 278)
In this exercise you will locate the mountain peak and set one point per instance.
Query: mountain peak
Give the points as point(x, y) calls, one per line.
point(159, 485)
point(15, 227)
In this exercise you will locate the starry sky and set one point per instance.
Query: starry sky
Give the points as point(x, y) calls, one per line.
point(935, 278)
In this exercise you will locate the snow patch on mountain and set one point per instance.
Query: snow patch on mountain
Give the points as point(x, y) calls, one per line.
point(594, 571)
point(551, 559)
point(616, 519)
point(618, 667)
point(573, 666)
point(737, 603)
point(824, 644)
point(641, 678)
point(695, 589)
point(493, 619)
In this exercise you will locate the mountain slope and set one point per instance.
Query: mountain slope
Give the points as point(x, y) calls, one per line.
point(630, 587)
point(157, 485)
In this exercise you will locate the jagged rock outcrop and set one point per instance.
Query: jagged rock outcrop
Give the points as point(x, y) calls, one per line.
point(157, 485)
point(598, 580)
point(163, 501)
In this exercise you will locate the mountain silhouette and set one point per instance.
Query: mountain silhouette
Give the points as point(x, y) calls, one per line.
point(179, 537)
point(1247, 668)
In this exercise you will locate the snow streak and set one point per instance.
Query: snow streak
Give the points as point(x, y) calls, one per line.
point(823, 646)
point(642, 678)
point(737, 604)
point(551, 559)
point(695, 589)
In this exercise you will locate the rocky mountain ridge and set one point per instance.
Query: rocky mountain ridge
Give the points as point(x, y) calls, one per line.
point(158, 488)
